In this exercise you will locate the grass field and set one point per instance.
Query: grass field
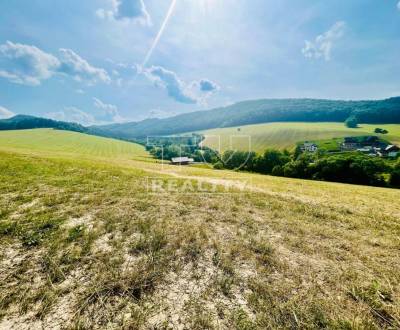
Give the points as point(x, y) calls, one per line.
point(286, 135)
point(58, 142)
point(83, 244)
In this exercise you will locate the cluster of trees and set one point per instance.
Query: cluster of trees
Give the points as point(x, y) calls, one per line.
point(381, 131)
point(354, 168)
point(166, 148)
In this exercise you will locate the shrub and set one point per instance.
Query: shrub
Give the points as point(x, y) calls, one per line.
point(351, 122)
point(277, 171)
point(218, 166)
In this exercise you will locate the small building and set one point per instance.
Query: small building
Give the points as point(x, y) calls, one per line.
point(309, 147)
point(391, 151)
point(349, 144)
point(182, 161)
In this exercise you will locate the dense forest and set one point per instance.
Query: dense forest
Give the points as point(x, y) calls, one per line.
point(260, 111)
point(29, 122)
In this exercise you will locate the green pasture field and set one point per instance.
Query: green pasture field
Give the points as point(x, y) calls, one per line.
point(287, 135)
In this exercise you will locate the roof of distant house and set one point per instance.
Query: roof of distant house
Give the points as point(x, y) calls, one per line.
point(392, 147)
point(182, 160)
point(309, 144)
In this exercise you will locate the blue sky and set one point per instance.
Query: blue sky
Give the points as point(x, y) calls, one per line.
point(90, 61)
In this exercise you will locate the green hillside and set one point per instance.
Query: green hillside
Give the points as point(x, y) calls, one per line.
point(286, 135)
point(85, 243)
point(30, 122)
point(260, 111)
point(58, 142)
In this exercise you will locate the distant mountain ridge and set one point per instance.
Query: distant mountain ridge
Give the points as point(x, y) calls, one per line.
point(30, 122)
point(239, 114)
point(259, 111)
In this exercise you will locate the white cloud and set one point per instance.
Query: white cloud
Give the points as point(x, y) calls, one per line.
point(398, 5)
point(126, 10)
point(27, 65)
point(109, 112)
point(195, 92)
point(168, 80)
point(323, 44)
point(5, 113)
point(72, 114)
point(78, 68)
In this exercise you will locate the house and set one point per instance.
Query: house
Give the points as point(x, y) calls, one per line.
point(182, 161)
point(349, 144)
point(309, 147)
point(391, 151)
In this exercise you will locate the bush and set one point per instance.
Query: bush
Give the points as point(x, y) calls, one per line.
point(351, 122)
point(277, 171)
point(381, 131)
point(218, 166)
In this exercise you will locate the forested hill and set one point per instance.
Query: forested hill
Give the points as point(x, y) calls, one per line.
point(29, 122)
point(243, 113)
point(260, 111)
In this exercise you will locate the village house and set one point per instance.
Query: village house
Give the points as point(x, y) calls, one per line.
point(391, 151)
point(309, 147)
point(182, 161)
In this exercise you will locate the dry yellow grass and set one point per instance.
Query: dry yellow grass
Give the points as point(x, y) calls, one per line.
point(85, 245)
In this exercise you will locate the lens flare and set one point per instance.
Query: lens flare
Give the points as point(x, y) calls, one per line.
point(160, 33)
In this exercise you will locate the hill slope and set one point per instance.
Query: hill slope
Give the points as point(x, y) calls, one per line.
point(52, 142)
point(28, 122)
point(260, 111)
point(286, 135)
point(85, 244)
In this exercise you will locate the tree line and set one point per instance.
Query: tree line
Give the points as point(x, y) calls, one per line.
point(352, 168)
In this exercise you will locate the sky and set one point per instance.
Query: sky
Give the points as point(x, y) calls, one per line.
point(111, 61)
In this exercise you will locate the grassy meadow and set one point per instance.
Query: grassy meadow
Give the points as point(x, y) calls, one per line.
point(286, 135)
point(57, 142)
point(83, 244)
